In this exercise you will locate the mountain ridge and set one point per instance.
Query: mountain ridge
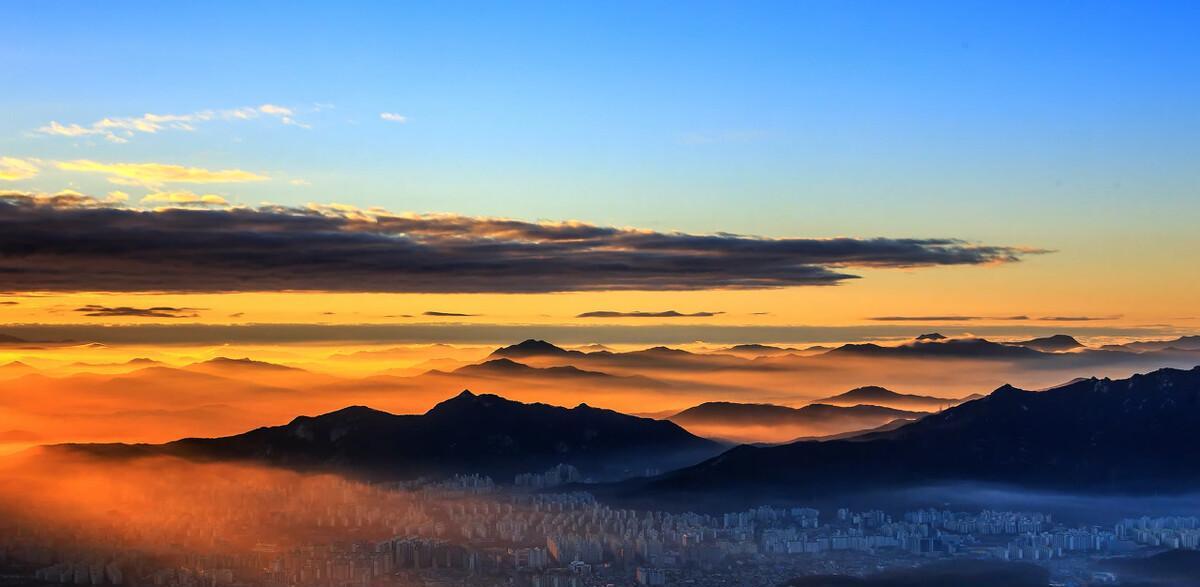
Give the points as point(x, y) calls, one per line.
point(467, 433)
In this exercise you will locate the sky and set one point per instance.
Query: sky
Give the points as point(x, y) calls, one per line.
point(1055, 142)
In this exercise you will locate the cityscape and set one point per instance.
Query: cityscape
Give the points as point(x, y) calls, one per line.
point(468, 530)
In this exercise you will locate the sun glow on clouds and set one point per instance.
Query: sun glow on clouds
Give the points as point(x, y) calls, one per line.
point(13, 169)
point(150, 174)
point(121, 129)
point(185, 198)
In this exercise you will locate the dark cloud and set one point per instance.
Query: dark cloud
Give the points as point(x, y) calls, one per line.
point(1077, 318)
point(948, 318)
point(54, 243)
point(666, 314)
point(444, 314)
point(126, 311)
point(9, 303)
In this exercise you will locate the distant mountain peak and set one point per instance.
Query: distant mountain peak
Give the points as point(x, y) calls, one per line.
point(531, 348)
point(874, 394)
point(243, 362)
point(932, 336)
point(1053, 343)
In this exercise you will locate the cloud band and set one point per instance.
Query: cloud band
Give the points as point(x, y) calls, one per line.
point(77, 243)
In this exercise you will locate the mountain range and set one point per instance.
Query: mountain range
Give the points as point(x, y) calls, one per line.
point(1096, 435)
point(744, 422)
point(775, 415)
point(469, 433)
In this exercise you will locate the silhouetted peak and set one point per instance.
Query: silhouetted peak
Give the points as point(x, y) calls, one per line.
point(869, 391)
point(1007, 390)
point(343, 416)
point(504, 365)
point(530, 348)
point(467, 402)
point(1057, 342)
point(932, 336)
point(664, 350)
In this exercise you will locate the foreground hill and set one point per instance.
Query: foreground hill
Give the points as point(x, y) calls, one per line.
point(469, 433)
point(1096, 435)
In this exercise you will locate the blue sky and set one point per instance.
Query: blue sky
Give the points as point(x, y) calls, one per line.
point(1008, 122)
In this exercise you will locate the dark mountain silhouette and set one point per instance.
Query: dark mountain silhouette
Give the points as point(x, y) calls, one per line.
point(1051, 344)
point(542, 353)
point(1190, 343)
point(757, 350)
point(733, 414)
point(880, 396)
point(511, 368)
point(963, 348)
point(465, 434)
point(533, 348)
point(932, 336)
point(507, 368)
point(1098, 435)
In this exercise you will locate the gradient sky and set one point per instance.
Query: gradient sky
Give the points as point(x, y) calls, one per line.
point(1063, 126)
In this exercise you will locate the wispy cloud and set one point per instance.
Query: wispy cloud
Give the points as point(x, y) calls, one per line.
point(393, 117)
point(638, 314)
point(96, 311)
point(151, 174)
point(122, 129)
point(69, 242)
point(14, 168)
point(446, 314)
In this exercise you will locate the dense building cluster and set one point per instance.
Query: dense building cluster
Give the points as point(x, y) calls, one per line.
point(328, 532)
